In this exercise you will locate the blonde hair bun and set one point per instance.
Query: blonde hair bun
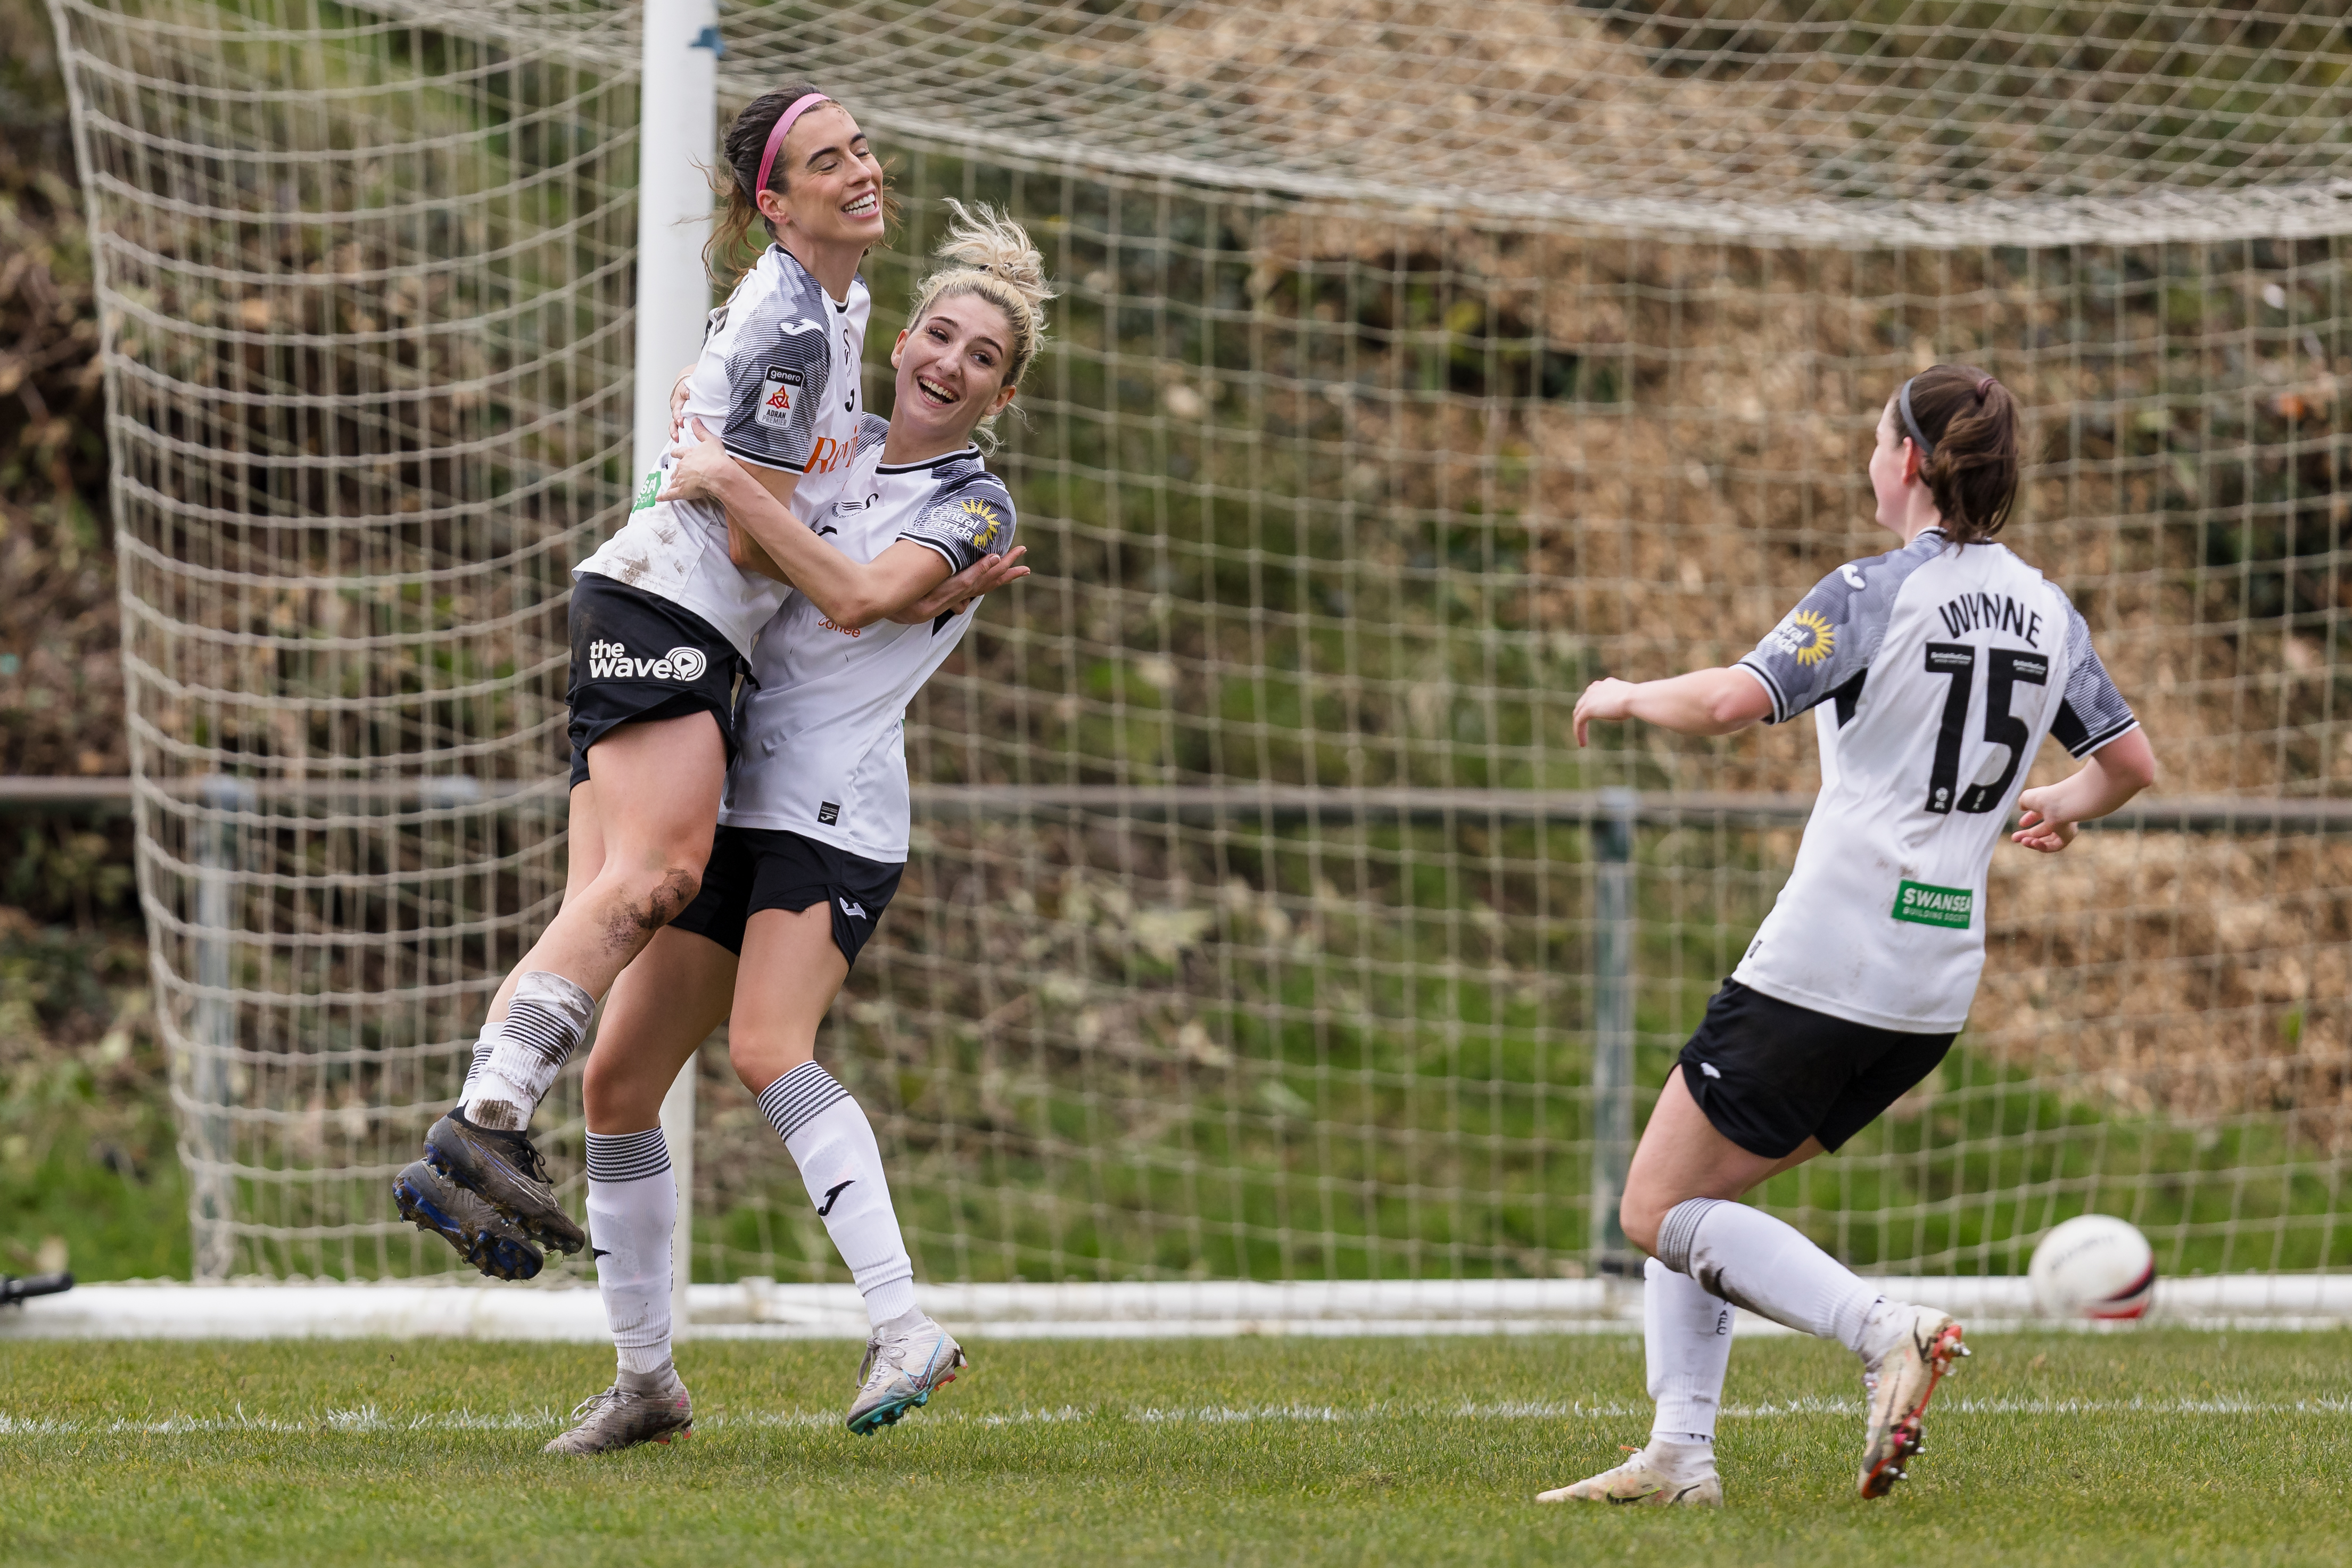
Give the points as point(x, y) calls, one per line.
point(981, 240)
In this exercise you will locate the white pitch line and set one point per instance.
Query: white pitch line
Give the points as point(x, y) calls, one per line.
point(367, 1420)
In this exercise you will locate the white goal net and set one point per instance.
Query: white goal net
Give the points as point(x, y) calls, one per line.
point(1418, 364)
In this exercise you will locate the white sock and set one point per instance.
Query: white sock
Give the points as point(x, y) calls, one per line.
point(545, 1024)
point(1681, 1461)
point(1752, 1260)
point(484, 1044)
point(632, 1206)
point(1883, 1328)
point(1688, 1336)
point(833, 1143)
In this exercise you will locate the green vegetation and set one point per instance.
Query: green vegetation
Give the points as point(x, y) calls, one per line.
point(88, 1175)
point(2138, 1448)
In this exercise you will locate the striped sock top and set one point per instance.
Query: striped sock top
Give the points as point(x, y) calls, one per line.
point(799, 1095)
point(542, 1030)
point(627, 1156)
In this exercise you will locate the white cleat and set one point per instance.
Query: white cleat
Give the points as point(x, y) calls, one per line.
point(1639, 1481)
point(1926, 1348)
point(907, 1360)
point(649, 1407)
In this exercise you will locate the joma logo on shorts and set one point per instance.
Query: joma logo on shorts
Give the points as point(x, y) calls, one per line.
point(611, 661)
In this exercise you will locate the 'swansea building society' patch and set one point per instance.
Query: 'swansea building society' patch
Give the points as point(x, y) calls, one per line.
point(1923, 905)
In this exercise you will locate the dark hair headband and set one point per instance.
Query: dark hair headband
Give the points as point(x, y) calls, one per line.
point(776, 133)
point(1911, 423)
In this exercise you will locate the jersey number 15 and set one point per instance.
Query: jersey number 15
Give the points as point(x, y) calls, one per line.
point(1957, 662)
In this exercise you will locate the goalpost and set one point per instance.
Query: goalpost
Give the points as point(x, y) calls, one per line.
point(1416, 366)
point(678, 137)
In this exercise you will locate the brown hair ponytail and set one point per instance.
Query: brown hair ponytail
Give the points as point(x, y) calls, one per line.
point(1964, 425)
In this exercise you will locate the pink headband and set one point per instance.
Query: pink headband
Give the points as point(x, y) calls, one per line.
point(776, 137)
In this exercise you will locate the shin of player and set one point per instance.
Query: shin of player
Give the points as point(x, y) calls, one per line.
point(1934, 672)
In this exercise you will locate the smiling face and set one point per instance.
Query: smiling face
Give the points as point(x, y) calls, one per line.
point(832, 180)
point(952, 366)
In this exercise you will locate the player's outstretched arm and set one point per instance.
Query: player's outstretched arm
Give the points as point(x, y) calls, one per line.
point(2050, 817)
point(853, 595)
point(1704, 702)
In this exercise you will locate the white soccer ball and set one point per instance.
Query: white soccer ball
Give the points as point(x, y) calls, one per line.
point(2093, 1265)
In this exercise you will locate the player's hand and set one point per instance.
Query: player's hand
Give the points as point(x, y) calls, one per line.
point(677, 402)
point(702, 463)
point(1608, 700)
point(2037, 830)
point(955, 595)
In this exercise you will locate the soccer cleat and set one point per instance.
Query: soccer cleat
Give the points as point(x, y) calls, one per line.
point(483, 1237)
point(907, 1360)
point(1639, 1482)
point(506, 1169)
point(1900, 1388)
point(624, 1416)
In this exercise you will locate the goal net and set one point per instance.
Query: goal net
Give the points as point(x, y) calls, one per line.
point(1417, 366)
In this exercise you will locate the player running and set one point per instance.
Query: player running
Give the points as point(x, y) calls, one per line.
point(813, 840)
point(1934, 670)
point(662, 622)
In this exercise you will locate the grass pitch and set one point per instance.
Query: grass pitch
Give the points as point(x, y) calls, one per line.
point(2147, 1447)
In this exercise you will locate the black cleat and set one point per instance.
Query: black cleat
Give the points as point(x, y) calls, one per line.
point(483, 1238)
point(505, 1169)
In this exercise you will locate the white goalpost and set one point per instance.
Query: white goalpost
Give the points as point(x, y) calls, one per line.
point(1264, 929)
point(678, 137)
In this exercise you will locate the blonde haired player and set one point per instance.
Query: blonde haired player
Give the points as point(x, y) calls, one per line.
point(1933, 671)
point(813, 838)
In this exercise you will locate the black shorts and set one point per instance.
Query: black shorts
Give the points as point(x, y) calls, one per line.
point(637, 656)
point(1770, 1074)
point(755, 868)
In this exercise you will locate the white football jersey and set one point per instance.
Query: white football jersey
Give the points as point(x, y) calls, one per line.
point(778, 384)
point(1934, 671)
point(823, 736)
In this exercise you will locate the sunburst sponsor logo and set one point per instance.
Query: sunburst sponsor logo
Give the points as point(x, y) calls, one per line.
point(984, 520)
point(1807, 637)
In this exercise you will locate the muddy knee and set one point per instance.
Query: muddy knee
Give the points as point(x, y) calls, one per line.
point(669, 897)
point(642, 906)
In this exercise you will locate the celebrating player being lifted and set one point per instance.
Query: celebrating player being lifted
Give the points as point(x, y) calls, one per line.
point(813, 838)
point(662, 622)
point(1934, 671)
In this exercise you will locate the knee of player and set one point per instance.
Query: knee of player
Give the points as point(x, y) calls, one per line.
point(605, 1092)
point(1640, 1219)
point(657, 890)
point(761, 1055)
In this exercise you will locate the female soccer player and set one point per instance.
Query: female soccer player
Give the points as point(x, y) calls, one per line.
point(662, 624)
point(1935, 670)
point(813, 840)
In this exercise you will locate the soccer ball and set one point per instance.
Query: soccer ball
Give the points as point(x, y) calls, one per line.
point(2093, 1265)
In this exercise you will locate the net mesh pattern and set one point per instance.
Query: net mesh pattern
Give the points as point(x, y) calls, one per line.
point(1936, 122)
point(1415, 367)
point(366, 314)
